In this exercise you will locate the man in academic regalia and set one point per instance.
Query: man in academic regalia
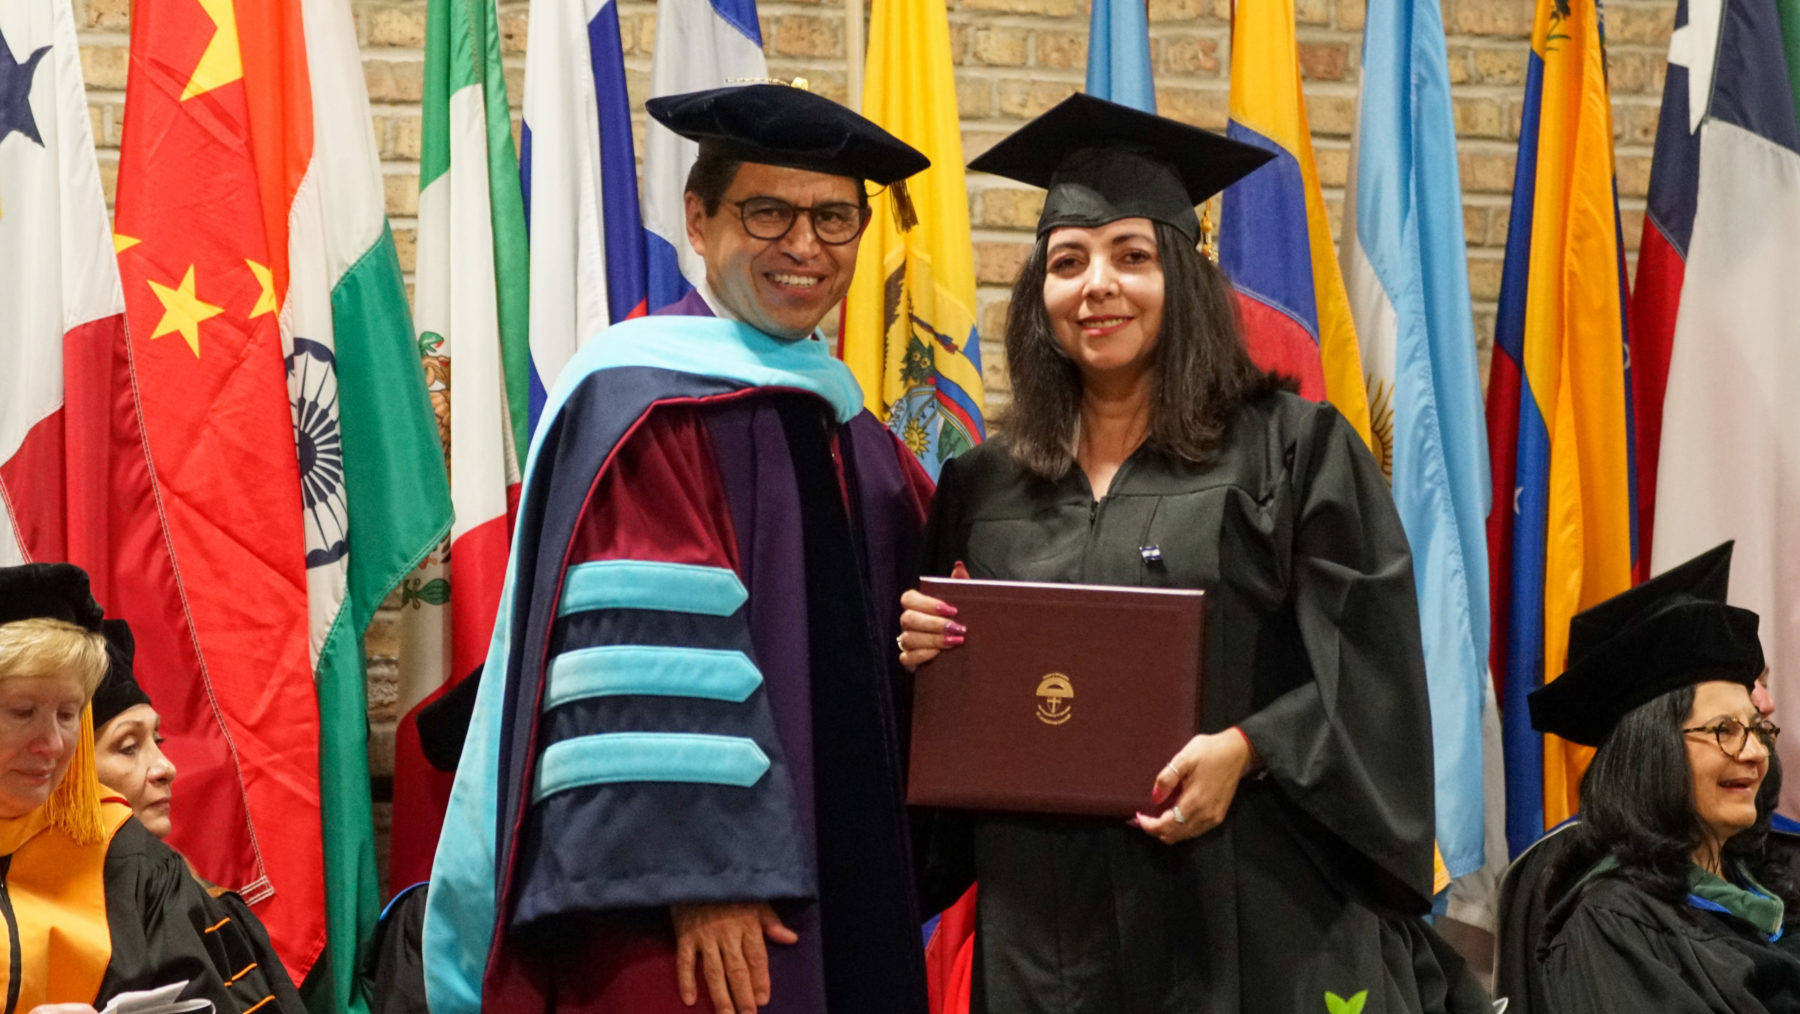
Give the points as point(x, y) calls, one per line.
point(682, 780)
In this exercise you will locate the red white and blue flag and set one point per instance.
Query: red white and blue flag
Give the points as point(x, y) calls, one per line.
point(699, 44)
point(1719, 312)
point(580, 175)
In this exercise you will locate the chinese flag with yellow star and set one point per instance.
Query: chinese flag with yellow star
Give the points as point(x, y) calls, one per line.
point(214, 394)
point(285, 407)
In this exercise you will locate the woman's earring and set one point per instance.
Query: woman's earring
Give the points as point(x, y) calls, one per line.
point(1209, 240)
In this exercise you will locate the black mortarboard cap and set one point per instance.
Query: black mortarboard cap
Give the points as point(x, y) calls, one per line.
point(788, 126)
point(57, 591)
point(1102, 161)
point(119, 690)
point(1672, 631)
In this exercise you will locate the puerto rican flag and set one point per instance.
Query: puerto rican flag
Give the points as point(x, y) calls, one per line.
point(699, 44)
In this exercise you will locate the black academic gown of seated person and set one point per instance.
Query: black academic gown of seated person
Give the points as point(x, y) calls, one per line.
point(83, 923)
point(1315, 881)
point(1610, 947)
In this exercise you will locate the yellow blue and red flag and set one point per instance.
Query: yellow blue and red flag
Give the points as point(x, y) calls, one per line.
point(1559, 404)
point(1275, 240)
point(909, 331)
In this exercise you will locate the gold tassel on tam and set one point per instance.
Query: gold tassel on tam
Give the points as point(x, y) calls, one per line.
point(905, 215)
point(74, 808)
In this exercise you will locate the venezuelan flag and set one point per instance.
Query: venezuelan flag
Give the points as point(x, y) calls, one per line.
point(1558, 403)
point(909, 325)
point(1274, 239)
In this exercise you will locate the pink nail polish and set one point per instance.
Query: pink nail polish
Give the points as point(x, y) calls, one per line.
point(1157, 794)
point(953, 640)
point(955, 628)
point(946, 609)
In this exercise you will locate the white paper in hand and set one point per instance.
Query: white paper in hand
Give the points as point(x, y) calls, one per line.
point(161, 1000)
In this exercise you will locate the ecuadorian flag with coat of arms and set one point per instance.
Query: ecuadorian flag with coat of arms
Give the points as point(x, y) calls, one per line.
point(909, 330)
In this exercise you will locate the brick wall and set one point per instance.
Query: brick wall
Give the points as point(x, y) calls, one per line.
point(1014, 59)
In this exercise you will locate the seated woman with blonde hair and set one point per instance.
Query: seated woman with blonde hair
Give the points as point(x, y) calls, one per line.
point(93, 904)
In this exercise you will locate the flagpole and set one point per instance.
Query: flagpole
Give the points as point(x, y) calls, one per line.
point(854, 50)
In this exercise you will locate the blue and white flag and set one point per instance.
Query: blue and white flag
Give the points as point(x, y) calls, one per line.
point(1118, 67)
point(699, 45)
point(1403, 258)
point(580, 177)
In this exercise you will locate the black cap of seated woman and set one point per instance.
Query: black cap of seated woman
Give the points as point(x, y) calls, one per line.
point(119, 690)
point(1101, 161)
point(52, 591)
point(1672, 631)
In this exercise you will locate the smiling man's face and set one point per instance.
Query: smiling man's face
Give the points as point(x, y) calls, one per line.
point(782, 287)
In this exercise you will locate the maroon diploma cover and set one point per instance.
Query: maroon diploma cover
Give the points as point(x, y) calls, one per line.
point(1063, 699)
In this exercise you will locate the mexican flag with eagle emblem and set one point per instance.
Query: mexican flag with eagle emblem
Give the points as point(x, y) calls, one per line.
point(287, 417)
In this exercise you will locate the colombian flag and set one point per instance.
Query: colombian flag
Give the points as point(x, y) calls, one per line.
point(909, 326)
point(1275, 241)
point(1558, 406)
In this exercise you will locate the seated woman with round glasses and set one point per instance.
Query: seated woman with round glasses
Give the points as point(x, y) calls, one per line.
point(1671, 895)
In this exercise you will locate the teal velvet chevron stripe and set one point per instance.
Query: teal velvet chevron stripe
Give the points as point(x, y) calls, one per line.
point(612, 757)
point(648, 584)
point(611, 670)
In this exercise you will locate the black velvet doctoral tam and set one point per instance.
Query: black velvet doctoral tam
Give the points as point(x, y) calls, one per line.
point(1672, 631)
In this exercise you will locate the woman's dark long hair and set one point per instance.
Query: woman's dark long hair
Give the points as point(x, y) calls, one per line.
point(1202, 372)
point(1637, 804)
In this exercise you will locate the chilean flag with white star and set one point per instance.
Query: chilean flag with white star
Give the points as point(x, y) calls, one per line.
point(1715, 331)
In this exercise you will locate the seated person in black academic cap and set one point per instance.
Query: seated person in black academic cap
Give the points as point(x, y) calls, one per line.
point(92, 904)
point(1669, 895)
point(1284, 857)
point(128, 759)
point(128, 737)
point(682, 780)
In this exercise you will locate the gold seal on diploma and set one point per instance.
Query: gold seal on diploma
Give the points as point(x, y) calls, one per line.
point(1054, 692)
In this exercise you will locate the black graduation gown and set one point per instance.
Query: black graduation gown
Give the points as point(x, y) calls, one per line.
point(1314, 882)
point(1611, 947)
point(166, 926)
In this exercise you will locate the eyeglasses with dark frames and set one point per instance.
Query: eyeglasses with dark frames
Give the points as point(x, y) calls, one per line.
point(1733, 735)
point(771, 218)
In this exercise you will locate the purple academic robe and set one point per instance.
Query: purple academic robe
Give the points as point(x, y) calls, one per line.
point(672, 474)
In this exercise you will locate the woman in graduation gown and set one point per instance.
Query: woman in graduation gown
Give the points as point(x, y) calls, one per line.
point(1286, 854)
point(129, 760)
point(93, 904)
point(1670, 896)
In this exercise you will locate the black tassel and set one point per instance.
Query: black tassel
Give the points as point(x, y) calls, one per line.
point(905, 215)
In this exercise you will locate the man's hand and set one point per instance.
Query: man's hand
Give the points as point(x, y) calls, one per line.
point(726, 941)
